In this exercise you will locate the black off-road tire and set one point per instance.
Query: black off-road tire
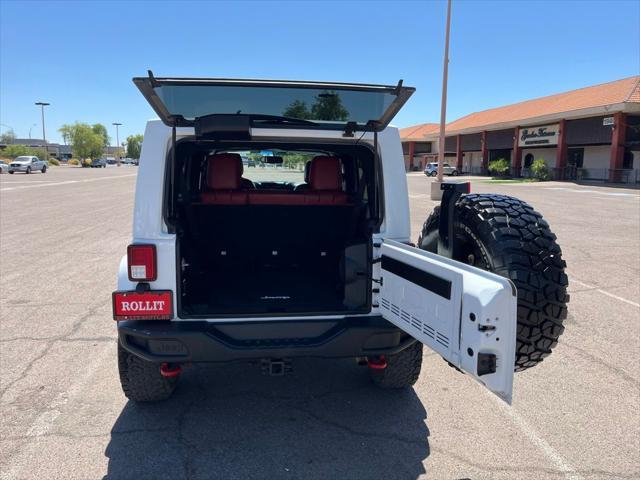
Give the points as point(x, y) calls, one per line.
point(44, 169)
point(141, 380)
point(403, 369)
point(508, 237)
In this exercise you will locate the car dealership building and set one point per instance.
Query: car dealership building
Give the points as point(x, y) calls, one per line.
point(589, 133)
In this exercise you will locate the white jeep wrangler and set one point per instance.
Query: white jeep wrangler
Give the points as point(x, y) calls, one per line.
point(303, 249)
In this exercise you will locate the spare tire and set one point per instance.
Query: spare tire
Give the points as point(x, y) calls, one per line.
point(508, 237)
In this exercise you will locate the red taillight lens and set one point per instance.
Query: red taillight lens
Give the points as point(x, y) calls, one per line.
point(141, 260)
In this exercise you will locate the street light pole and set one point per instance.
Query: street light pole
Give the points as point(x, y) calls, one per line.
point(44, 137)
point(117, 142)
point(443, 107)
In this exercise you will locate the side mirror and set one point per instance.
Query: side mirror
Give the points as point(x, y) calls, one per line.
point(273, 159)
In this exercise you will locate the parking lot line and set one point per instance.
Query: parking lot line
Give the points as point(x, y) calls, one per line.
point(66, 182)
point(604, 292)
point(597, 192)
point(552, 455)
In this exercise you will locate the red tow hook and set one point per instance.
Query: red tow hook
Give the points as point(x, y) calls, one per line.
point(170, 372)
point(377, 363)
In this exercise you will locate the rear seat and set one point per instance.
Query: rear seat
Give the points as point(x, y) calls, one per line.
point(296, 226)
point(224, 181)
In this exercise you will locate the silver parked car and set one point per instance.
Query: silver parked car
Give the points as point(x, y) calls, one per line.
point(431, 170)
point(4, 168)
point(27, 164)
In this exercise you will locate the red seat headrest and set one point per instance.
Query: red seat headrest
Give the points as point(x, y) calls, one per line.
point(325, 173)
point(224, 171)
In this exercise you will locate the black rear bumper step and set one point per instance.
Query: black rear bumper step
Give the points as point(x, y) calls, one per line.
point(179, 342)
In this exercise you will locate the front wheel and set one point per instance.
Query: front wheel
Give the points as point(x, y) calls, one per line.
point(454, 173)
point(11, 172)
point(141, 381)
point(28, 170)
point(508, 237)
point(402, 369)
point(44, 169)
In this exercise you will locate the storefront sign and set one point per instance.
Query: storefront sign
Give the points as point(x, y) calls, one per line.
point(607, 121)
point(543, 135)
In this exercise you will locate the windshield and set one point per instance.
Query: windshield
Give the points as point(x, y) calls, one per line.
point(22, 159)
point(256, 166)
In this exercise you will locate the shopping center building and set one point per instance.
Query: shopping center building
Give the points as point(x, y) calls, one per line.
point(589, 133)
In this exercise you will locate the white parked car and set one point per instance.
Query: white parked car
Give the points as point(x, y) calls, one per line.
point(4, 168)
point(28, 164)
point(431, 170)
point(267, 265)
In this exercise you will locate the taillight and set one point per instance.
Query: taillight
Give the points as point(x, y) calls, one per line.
point(141, 260)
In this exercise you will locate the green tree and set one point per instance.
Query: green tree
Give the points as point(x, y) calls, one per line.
point(102, 131)
point(540, 170)
point(86, 141)
point(65, 132)
point(8, 137)
point(499, 167)
point(134, 146)
point(13, 151)
point(297, 109)
point(294, 160)
point(328, 106)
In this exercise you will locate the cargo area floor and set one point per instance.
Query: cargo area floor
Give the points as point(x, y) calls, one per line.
point(263, 292)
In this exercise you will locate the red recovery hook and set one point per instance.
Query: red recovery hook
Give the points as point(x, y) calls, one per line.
point(377, 363)
point(170, 372)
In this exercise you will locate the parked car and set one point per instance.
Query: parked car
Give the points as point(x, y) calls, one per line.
point(99, 163)
point(431, 170)
point(27, 164)
point(4, 168)
point(333, 272)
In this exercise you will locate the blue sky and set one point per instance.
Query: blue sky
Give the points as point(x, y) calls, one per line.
point(80, 56)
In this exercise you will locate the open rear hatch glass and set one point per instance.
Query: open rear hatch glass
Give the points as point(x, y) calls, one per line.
point(323, 105)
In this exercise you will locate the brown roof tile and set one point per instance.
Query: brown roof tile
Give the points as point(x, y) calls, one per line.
point(417, 132)
point(619, 91)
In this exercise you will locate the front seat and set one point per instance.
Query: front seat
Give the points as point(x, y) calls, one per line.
point(305, 185)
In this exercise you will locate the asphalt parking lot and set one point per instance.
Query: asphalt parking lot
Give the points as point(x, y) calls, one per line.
point(576, 416)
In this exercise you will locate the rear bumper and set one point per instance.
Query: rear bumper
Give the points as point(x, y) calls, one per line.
point(178, 342)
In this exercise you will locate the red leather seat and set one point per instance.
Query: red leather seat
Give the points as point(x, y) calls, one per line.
point(325, 182)
point(224, 180)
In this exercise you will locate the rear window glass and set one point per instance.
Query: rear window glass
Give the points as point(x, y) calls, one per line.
point(193, 101)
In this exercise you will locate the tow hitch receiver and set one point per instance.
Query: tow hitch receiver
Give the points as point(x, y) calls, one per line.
point(276, 367)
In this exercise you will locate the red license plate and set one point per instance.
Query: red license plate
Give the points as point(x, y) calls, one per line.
point(153, 305)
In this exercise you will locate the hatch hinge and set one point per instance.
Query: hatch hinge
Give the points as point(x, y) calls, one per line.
point(398, 87)
point(349, 129)
point(152, 80)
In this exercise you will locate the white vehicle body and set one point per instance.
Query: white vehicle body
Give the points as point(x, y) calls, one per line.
point(27, 164)
point(440, 322)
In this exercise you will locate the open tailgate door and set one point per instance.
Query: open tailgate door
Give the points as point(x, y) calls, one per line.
point(465, 314)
